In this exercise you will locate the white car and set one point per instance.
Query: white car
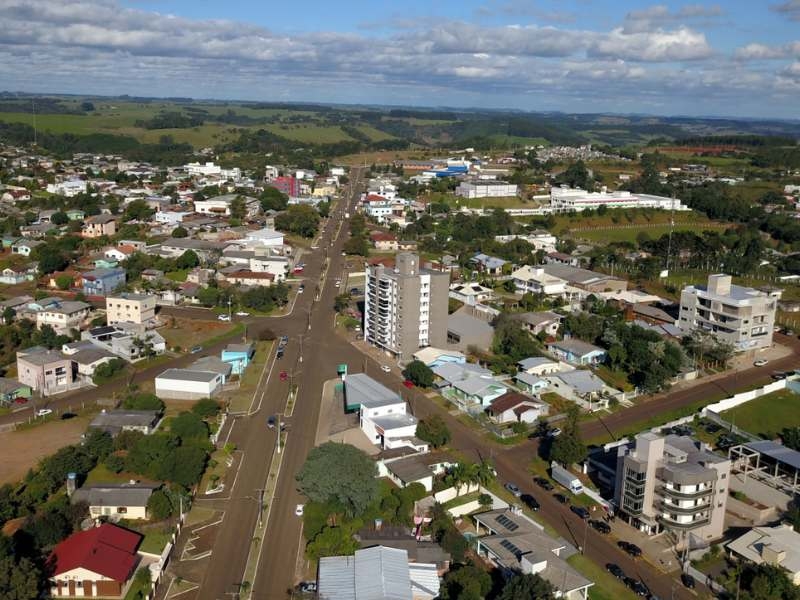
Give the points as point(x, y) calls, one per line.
point(242, 313)
point(224, 317)
point(315, 247)
point(299, 510)
point(760, 362)
point(43, 412)
point(386, 368)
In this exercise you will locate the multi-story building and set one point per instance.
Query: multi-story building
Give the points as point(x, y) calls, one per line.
point(486, 189)
point(102, 282)
point(99, 225)
point(564, 199)
point(741, 316)
point(64, 316)
point(673, 483)
point(405, 307)
point(288, 185)
point(139, 309)
point(45, 371)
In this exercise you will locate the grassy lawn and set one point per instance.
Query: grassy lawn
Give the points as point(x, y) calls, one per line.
point(558, 403)
point(187, 333)
point(242, 397)
point(616, 379)
point(606, 586)
point(316, 134)
point(768, 414)
point(100, 474)
point(155, 540)
point(179, 276)
point(629, 233)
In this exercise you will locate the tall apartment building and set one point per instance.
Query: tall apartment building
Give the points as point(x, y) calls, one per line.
point(405, 308)
point(673, 483)
point(739, 315)
point(139, 309)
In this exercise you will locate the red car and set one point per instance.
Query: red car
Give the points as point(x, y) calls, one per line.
point(408, 384)
point(284, 375)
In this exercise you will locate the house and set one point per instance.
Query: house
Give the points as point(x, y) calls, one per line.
point(126, 340)
point(470, 293)
point(137, 309)
point(25, 247)
point(213, 364)
point(476, 390)
point(534, 280)
point(560, 258)
point(11, 390)
point(118, 420)
point(45, 371)
point(545, 322)
point(152, 275)
point(539, 365)
point(97, 562)
point(248, 278)
point(532, 384)
point(451, 372)
point(221, 205)
point(516, 544)
point(15, 275)
point(116, 501)
point(383, 415)
point(384, 242)
point(589, 282)
point(101, 262)
point(64, 316)
point(36, 230)
point(119, 253)
point(186, 384)
point(777, 545)
point(417, 468)
point(377, 573)
point(98, 226)
point(490, 265)
point(581, 386)
point(433, 357)
point(75, 214)
point(577, 352)
point(239, 356)
point(87, 360)
point(102, 282)
point(464, 330)
point(264, 237)
point(513, 407)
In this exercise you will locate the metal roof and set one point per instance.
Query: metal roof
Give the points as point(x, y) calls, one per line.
point(363, 390)
point(777, 451)
point(188, 375)
point(377, 573)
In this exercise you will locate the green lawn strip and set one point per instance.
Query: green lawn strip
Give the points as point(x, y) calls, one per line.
point(767, 415)
point(615, 378)
point(215, 472)
point(101, 474)
point(606, 586)
point(179, 276)
point(155, 540)
point(199, 514)
point(463, 499)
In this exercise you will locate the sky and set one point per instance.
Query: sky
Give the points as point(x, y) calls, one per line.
point(730, 58)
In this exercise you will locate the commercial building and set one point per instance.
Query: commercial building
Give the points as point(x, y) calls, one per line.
point(405, 308)
point(741, 316)
point(673, 483)
point(138, 309)
point(186, 384)
point(97, 562)
point(565, 199)
point(486, 189)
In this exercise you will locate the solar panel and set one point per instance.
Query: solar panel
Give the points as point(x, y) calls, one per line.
point(511, 548)
point(507, 523)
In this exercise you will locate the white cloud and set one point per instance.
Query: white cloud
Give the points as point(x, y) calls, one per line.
point(790, 8)
point(657, 46)
point(658, 16)
point(763, 52)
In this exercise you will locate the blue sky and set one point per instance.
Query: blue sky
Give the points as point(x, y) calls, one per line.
point(732, 58)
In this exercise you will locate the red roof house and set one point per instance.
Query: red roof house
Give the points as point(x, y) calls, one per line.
point(96, 562)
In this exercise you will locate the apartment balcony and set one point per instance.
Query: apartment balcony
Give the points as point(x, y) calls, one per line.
point(683, 510)
point(679, 495)
point(693, 524)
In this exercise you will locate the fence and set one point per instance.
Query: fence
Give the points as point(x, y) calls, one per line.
point(744, 397)
point(451, 492)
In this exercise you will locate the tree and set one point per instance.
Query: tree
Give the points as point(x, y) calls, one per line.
point(187, 260)
point(188, 464)
point(206, 407)
point(59, 218)
point(434, 431)
point(159, 506)
point(138, 210)
point(20, 577)
point(526, 587)
point(568, 448)
point(299, 219)
point(188, 425)
point(107, 370)
point(98, 443)
point(238, 208)
point(114, 463)
point(341, 302)
point(51, 259)
point(180, 232)
point(332, 541)
point(356, 246)
point(419, 373)
point(87, 106)
point(273, 199)
point(467, 582)
point(340, 473)
point(143, 401)
point(64, 281)
point(8, 315)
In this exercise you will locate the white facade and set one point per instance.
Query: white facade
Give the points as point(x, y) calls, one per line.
point(131, 308)
point(210, 169)
point(183, 384)
point(741, 316)
point(69, 188)
point(564, 199)
point(264, 237)
point(170, 217)
point(534, 280)
point(486, 189)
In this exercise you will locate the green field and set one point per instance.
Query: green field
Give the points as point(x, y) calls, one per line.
point(629, 233)
point(310, 133)
point(767, 415)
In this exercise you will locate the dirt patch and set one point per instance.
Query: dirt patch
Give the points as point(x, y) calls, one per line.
point(24, 449)
point(186, 333)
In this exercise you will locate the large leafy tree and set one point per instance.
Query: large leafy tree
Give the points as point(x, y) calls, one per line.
point(340, 473)
point(20, 577)
point(188, 425)
point(526, 587)
point(419, 373)
point(568, 448)
point(466, 583)
point(434, 431)
point(299, 219)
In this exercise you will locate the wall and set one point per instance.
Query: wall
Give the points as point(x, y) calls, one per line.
point(450, 493)
point(745, 397)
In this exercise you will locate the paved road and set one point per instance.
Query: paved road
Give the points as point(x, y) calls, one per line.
point(320, 355)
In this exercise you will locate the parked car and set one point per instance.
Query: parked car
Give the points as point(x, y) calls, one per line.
point(355, 291)
point(284, 340)
point(242, 313)
point(629, 548)
point(513, 489)
point(271, 421)
point(687, 580)
point(638, 587)
point(43, 412)
point(301, 288)
point(543, 483)
point(279, 353)
point(555, 432)
point(284, 375)
point(307, 587)
point(224, 317)
point(196, 349)
point(67, 416)
point(386, 368)
point(409, 384)
point(760, 362)
point(561, 498)
point(615, 570)
point(600, 526)
point(530, 501)
point(298, 510)
point(580, 511)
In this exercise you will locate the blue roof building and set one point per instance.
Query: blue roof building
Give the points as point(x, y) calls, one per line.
point(102, 282)
point(238, 356)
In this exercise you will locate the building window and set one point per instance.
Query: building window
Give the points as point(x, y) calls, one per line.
point(122, 510)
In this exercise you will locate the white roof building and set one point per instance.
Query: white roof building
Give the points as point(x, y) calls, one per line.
point(779, 545)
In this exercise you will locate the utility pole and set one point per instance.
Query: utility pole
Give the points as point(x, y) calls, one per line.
point(278, 439)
